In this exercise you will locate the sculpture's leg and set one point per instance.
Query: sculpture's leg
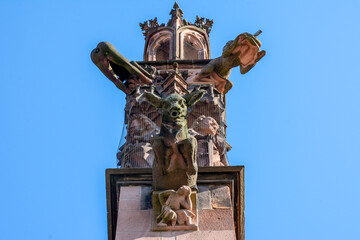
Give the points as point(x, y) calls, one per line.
point(188, 148)
point(159, 151)
point(188, 220)
point(161, 223)
point(228, 85)
point(167, 158)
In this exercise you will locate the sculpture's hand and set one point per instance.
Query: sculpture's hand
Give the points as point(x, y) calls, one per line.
point(260, 55)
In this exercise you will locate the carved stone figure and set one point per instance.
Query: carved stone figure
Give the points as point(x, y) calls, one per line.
point(137, 151)
point(117, 68)
point(176, 207)
point(141, 128)
point(175, 149)
point(211, 145)
point(243, 51)
point(205, 125)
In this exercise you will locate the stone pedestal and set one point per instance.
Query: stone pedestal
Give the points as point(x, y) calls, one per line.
point(219, 206)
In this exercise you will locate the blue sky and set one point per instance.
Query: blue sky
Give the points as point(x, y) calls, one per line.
point(293, 119)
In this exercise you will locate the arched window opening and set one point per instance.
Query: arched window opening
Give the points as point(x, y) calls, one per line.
point(160, 48)
point(193, 48)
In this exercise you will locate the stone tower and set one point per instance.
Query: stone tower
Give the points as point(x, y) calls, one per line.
point(175, 148)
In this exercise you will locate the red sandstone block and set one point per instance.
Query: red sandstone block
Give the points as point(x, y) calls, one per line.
point(134, 221)
point(167, 235)
point(204, 198)
point(216, 219)
point(184, 235)
point(221, 197)
point(130, 192)
point(206, 235)
point(129, 204)
point(137, 236)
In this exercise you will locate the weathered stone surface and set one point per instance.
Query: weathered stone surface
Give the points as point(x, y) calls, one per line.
point(204, 198)
point(220, 197)
point(138, 236)
point(130, 192)
point(168, 235)
point(129, 204)
point(206, 235)
point(145, 198)
point(216, 219)
point(134, 221)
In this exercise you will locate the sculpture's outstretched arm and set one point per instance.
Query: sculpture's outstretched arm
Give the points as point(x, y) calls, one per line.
point(116, 67)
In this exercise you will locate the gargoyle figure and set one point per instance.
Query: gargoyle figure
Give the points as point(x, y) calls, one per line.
point(175, 207)
point(175, 150)
point(119, 69)
point(243, 51)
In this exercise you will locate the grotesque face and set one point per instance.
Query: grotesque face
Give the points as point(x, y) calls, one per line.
point(248, 53)
point(141, 125)
point(174, 107)
point(135, 126)
point(206, 125)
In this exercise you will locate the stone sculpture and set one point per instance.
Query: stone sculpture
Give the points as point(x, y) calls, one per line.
point(137, 151)
point(175, 149)
point(211, 145)
point(184, 47)
point(141, 128)
point(176, 207)
point(243, 51)
point(117, 68)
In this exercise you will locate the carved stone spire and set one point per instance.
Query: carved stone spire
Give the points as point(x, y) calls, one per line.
point(176, 16)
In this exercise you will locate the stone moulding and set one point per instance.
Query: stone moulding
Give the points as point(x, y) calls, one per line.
point(233, 176)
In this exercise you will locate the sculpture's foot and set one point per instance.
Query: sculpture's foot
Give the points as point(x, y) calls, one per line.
point(190, 225)
point(161, 224)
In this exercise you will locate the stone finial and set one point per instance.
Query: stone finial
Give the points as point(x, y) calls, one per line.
point(176, 16)
point(204, 24)
point(150, 24)
point(176, 12)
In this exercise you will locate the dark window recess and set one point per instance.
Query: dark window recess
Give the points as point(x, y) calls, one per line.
point(163, 50)
point(192, 48)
